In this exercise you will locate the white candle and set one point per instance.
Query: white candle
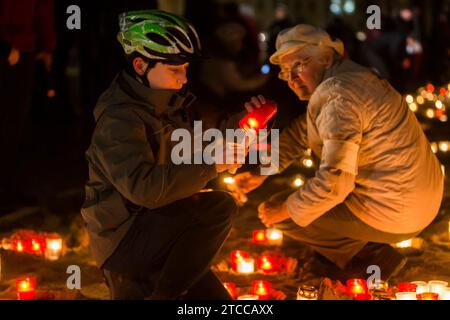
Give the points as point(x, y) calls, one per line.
point(422, 286)
point(437, 286)
point(274, 236)
point(248, 297)
point(446, 295)
point(53, 248)
point(404, 244)
point(406, 296)
point(246, 265)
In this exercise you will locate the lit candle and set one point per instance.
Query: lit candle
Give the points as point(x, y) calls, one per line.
point(53, 247)
point(26, 288)
point(308, 163)
point(37, 245)
point(248, 297)
point(298, 181)
point(266, 264)
point(422, 286)
point(259, 236)
point(19, 245)
point(406, 287)
point(246, 265)
point(237, 255)
point(357, 289)
point(274, 236)
point(231, 288)
point(404, 244)
point(446, 295)
point(406, 296)
point(428, 296)
point(262, 289)
point(444, 146)
point(438, 287)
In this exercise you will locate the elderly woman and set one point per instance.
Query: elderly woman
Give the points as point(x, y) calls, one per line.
point(378, 181)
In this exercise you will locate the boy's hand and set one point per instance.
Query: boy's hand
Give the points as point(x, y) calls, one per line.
point(229, 159)
point(247, 181)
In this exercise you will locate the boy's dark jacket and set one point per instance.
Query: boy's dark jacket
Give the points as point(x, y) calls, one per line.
point(129, 160)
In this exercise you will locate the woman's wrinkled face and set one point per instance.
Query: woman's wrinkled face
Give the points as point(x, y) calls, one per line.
point(167, 76)
point(303, 72)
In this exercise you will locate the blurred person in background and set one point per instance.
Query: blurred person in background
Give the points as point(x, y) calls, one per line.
point(26, 34)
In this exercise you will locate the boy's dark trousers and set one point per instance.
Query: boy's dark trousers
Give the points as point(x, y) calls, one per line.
point(168, 251)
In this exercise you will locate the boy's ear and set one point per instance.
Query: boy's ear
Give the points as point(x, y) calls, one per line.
point(139, 66)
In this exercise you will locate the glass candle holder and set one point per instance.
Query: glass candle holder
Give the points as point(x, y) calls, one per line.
point(262, 289)
point(306, 292)
point(274, 237)
point(406, 296)
point(26, 288)
point(259, 236)
point(422, 286)
point(267, 264)
point(357, 289)
point(246, 265)
point(437, 286)
point(428, 296)
point(53, 247)
point(406, 287)
point(237, 255)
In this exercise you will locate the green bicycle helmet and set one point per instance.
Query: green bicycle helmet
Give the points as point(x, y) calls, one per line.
point(159, 36)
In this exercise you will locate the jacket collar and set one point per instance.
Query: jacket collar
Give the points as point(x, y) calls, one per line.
point(160, 101)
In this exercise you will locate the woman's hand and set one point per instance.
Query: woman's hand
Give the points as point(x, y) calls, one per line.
point(270, 214)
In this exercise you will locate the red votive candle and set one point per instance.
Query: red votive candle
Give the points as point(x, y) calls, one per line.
point(259, 118)
point(26, 288)
point(428, 296)
point(237, 255)
point(262, 289)
point(267, 264)
point(357, 289)
point(259, 236)
point(231, 288)
point(19, 245)
point(406, 287)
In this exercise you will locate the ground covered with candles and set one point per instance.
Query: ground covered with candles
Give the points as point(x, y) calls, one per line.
point(264, 265)
point(44, 248)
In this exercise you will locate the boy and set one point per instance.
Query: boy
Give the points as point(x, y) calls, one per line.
point(151, 229)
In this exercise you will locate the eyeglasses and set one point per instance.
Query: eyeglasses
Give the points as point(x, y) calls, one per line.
point(298, 67)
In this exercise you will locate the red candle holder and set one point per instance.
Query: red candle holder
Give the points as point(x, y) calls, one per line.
point(231, 288)
point(262, 289)
point(406, 287)
point(428, 296)
point(26, 288)
point(37, 245)
point(267, 264)
point(20, 245)
point(259, 236)
point(258, 118)
point(237, 255)
point(357, 288)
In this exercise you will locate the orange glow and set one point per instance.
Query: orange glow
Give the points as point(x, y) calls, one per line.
point(259, 236)
point(231, 288)
point(266, 264)
point(262, 289)
point(430, 88)
point(237, 255)
point(26, 288)
point(428, 296)
point(253, 123)
point(357, 289)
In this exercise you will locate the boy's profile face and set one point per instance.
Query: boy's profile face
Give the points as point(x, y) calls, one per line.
point(163, 76)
